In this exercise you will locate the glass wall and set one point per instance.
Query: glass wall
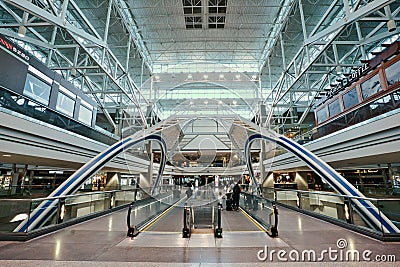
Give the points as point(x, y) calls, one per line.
point(338, 208)
point(379, 106)
point(371, 87)
point(362, 92)
point(350, 98)
point(393, 73)
point(322, 115)
point(334, 108)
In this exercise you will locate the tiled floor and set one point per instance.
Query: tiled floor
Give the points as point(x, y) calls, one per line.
point(103, 242)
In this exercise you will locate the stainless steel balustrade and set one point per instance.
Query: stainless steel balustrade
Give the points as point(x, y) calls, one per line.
point(262, 210)
point(78, 207)
point(338, 209)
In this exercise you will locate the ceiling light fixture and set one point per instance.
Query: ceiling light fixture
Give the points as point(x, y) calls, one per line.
point(391, 24)
point(22, 31)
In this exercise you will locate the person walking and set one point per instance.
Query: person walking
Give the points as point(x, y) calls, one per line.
point(236, 196)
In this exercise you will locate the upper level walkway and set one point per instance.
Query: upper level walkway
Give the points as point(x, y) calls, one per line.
point(374, 141)
point(103, 242)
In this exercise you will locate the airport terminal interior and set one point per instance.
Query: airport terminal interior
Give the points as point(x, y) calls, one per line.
point(199, 132)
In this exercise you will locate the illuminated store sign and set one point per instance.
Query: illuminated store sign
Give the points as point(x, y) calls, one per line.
point(11, 47)
point(346, 82)
point(387, 53)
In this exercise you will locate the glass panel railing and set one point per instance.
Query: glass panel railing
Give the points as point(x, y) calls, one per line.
point(391, 208)
point(20, 104)
point(365, 114)
point(357, 218)
point(344, 209)
point(13, 212)
point(143, 210)
point(262, 209)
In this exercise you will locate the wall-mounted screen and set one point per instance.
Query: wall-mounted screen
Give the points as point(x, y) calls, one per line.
point(66, 101)
point(85, 115)
point(65, 104)
point(37, 89)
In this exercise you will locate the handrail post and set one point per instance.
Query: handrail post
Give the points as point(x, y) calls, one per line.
point(61, 210)
point(274, 228)
point(348, 211)
point(186, 228)
point(299, 204)
point(132, 229)
point(218, 230)
point(29, 216)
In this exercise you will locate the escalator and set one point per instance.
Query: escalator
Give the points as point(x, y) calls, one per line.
point(199, 222)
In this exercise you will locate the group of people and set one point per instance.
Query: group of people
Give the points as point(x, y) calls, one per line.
point(233, 194)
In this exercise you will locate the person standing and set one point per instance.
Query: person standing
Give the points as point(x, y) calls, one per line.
point(236, 196)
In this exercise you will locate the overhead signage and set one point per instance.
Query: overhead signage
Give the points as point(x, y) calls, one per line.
point(13, 48)
point(389, 51)
point(346, 82)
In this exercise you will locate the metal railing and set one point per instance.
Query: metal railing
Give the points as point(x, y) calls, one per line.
point(142, 212)
point(187, 222)
point(218, 222)
point(263, 210)
point(70, 209)
point(339, 209)
point(12, 101)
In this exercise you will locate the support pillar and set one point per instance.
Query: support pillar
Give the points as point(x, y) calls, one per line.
point(14, 180)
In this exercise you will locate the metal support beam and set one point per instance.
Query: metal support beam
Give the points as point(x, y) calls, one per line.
point(354, 16)
point(58, 21)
